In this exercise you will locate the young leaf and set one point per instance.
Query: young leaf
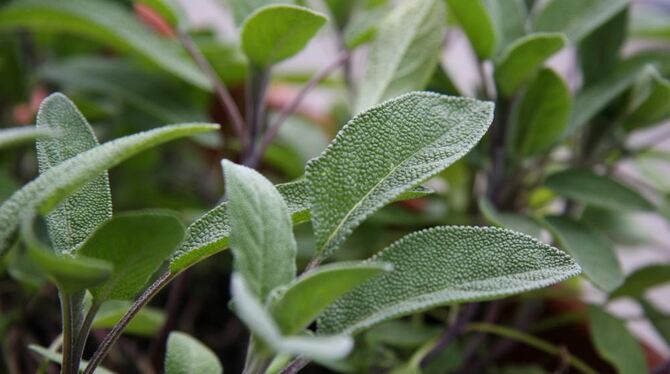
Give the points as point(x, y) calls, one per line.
point(615, 343)
point(404, 53)
point(300, 302)
point(243, 8)
point(136, 244)
point(641, 280)
point(599, 51)
point(509, 18)
point(54, 185)
point(276, 32)
point(58, 358)
point(512, 221)
point(584, 16)
point(521, 59)
point(651, 102)
point(148, 321)
point(108, 23)
point(71, 274)
point(542, 115)
point(19, 135)
point(262, 232)
point(187, 355)
point(592, 252)
point(81, 213)
point(448, 265)
point(600, 191)
point(417, 135)
point(477, 24)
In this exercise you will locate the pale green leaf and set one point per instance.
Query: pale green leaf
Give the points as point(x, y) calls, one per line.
point(106, 22)
point(512, 221)
point(404, 54)
point(187, 355)
point(243, 8)
point(19, 135)
point(510, 18)
point(641, 280)
point(148, 322)
point(57, 358)
point(416, 135)
point(276, 32)
point(599, 52)
point(448, 265)
point(576, 18)
point(615, 343)
point(650, 102)
point(364, 25)
point(592, 252)
point(477, 24)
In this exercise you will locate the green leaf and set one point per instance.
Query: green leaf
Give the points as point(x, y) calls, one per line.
point(243, 8)
point(600, 191)
point(58, 358)
point(599, 51)
point(299, 303)
point(542, 115)
point(136, 244)
point(510, 18)
point(276, 32)
point(404, 54)
point(417, 135)
point(364, 25)
point(187, 355)
point(512, 221)
point(592, 252)
point(641, 280)
point(261, 236)
point(576, 18)
point(251, 312)
point(448, 265)
point(148, 322)
point(477, 24)
point(81, 213)
point(19, 135)
point(650, 101)
point(615, 343)
point(106, 22)
point(54, 185)
point(521, 59)
point(658, 319)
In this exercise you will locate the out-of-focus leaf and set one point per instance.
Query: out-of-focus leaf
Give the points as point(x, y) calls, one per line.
point(512, 221)
point(19, 135)
point(599, 51)
point(243, 8)
point(442, 83)
point(658, 319)
point(650, 22)
point(510, 18)
point(576, 18)
point(477, 24)
point(619, 227)
point(615, 343)
point(364, 24)
point(641, 280)
point(58, 358)
point(401, 334)
point(148, 322)
point(650, 101)
point(187, 355)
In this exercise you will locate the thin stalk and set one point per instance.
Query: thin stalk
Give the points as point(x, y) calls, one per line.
point(449, 335)
point(257, 83)
point(80, 342)
point(68, 334)
point(295, 366)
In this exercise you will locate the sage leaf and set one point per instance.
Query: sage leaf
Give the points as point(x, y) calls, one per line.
point(509, 18)
point(80, 214)
point(599, 191)
point(448, 265)
point(404, 54)
point(136, 244)
point(512, 221)
point(615, 343)
point(641, 280)
point(299, 303)
point(276, 32)
point(592, 252)
point(658, 319)
point(70, 274)
point(584, 16)
point(187, 355)
point(54, 185)
point(599, 51)
point(20, 135)
point(243, 8)
point(57, 358)
point(148, 321)
point(476, 22)
point(651, 101)
point(364, 25)
point(417, 135)
point(523, 57)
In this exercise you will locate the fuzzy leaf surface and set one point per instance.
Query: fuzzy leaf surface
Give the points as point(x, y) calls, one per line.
point(615, 343)
point(18, 135)
point(576, 18)
point(187, 355)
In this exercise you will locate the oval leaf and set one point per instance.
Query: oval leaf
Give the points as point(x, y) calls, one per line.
point(615, 343)
point(584, 16)
point(187, 355)
point(477, 24)
point(641, 280)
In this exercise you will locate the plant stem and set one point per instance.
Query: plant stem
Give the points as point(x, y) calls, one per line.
point(497, 152)
point(295, 366)
point(449, 335)
point(85, 329)
point(68, 333)
point(257, 83)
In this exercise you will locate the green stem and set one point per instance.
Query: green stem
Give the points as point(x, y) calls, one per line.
point(80, 342)
point(68, 333)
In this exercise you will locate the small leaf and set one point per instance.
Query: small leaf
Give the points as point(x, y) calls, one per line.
point(187, 355)
point(512, 221)
point(243, 8)
point(448, 265)
point(615, 343)
point(300, 302)
point(136, 244)
point(148, 322)
point(599, 51)
point(600, 191)
point(19, 135)
point(641, 280)
point(510, 18)
point(261, 235)
point(576, 18)
point(592, 252)
point(276, 32)
point(523, 57)
point(58, 358)
point(477, 24)
point(417, 135)
point(651, 102)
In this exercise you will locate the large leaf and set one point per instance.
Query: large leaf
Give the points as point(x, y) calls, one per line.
point(296, 306)
point(148, 322)
point(187, 355)
point(276, 32)
point(106, 22)
point(477, 24)
point(641, 280)
point(592, 252)
point(510, 19)
point(600, 191)
point(416, 135)
point(599, 51)
point(448, 265)
point(136, 244)
point(522, 58)
point(615, 343)
point(576, 18)
point(19, 135)
point(54, 185)
point(80, 214)
point(261, 235)
point(404, 53)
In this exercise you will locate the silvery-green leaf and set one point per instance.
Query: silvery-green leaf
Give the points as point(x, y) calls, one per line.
point(576, 18)
point(187, 355)
point(19, 135)
point(476, 22)
point(615, 343)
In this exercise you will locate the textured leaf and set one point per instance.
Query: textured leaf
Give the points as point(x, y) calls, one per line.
point(148, 321)
point(58, 358)
point(512, 221)
point(592, 252)
point(187, 355)
point(521, 59)
point(136, 244)
point(19, 135)
point(600, 191)
point(651, 102)
point(81, 213)
point(641, 280)
point(448, 265)
point(599, 51)
point(243, 8)
point(615, 343)
point(542, 115)
point(404, 54)
point(251, 312)
point(510, 18)
point(51, 187)
point(276, 32)
point(477, 24)
point(107, 23)
point(385, 151)
point(299, 303)
point(576, 18)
